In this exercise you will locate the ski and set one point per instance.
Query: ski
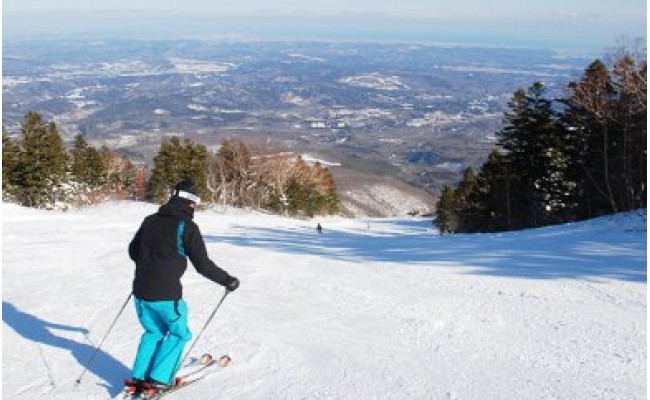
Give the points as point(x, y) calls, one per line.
point(195, 370)
point(207, 366)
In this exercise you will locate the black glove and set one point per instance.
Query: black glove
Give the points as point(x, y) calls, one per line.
point(232, 284)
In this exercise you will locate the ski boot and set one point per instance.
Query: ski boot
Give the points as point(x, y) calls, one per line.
point(151, 389)
point(133, 387)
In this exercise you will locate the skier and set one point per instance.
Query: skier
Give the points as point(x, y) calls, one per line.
point(319, 228)
point(160, 249)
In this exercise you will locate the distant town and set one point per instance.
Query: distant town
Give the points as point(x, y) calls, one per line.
point(411, 113)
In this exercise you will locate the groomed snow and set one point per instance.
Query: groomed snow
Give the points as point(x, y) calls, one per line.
point(371, 309)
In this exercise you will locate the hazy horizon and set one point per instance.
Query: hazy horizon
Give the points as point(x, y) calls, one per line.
point(578, 24)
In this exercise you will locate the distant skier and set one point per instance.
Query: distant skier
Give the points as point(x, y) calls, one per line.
point(319, 229)
point(160, 249)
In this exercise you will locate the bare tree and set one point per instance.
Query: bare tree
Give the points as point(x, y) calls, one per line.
point(616, 98)
point(593, 93)
point(629, 68)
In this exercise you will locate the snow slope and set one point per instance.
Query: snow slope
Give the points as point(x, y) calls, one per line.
point(371, 309)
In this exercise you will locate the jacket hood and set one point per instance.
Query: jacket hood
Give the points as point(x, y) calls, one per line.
point(177, 207)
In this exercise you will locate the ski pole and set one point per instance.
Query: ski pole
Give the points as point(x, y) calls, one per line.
point(90, 360)
point(204, 326)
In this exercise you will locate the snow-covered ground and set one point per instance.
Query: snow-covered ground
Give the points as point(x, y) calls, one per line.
point(370, 309)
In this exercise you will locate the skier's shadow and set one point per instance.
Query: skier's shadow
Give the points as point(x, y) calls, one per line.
point(37, 330)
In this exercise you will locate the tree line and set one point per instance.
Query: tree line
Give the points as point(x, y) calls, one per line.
point(560, 160)
point(38, 171)
point(241, 175)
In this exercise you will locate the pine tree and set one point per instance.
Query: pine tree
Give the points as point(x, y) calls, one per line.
point(166, 170)
point(78, 160)
point(96, 175)
point(10, 163)
point(176, 161)
point(196, 166)
point(446, 215)
point(127, 181)
point(160, 183)
point(464, 189)
point(42, 164)
point(585, 159)
point(489, 206)
point(536, 154)
point(87, 166)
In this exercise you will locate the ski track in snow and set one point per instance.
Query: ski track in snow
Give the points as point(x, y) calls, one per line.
point(371, 309)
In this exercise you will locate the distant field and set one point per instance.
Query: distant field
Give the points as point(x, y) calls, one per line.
point(416, 113)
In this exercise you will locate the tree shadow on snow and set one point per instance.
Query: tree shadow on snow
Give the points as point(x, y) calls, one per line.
point(40, 331)
point(534, 254)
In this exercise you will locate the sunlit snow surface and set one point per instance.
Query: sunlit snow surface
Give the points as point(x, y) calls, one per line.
point(370, 309)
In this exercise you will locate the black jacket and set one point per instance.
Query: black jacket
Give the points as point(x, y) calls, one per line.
point(160, 249)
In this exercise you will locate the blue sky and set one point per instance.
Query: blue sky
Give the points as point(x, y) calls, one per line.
point(593, 24)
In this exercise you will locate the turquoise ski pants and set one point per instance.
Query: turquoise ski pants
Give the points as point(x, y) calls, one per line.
point(165, 336)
